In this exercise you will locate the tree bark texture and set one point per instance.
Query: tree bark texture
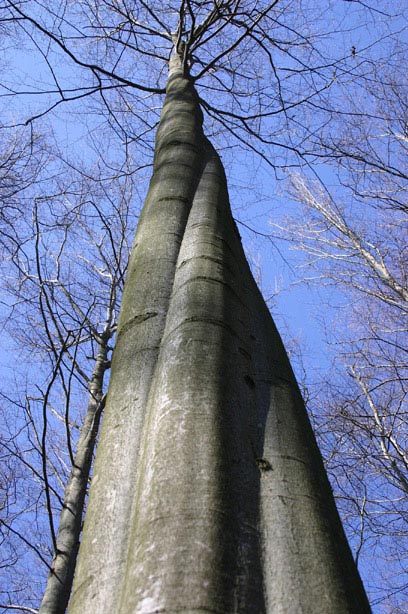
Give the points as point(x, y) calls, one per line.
point(209, 493)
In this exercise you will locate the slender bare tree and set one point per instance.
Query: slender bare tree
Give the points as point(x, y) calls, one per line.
point(78, 242)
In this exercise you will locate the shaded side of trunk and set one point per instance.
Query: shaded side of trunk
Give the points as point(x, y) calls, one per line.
point(209, 494)
point(59, 583)
point(307, 563)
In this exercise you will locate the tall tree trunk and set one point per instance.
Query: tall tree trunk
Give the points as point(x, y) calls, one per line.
point(59, 583)
point(209, 493)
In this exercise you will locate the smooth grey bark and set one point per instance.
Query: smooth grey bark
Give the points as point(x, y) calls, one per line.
point(177, 168)
point(59, 583)
point(209, 493)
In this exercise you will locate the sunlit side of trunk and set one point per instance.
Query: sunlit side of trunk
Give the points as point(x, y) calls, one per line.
point(177, 168)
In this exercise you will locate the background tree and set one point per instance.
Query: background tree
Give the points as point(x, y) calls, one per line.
point(63, 287)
